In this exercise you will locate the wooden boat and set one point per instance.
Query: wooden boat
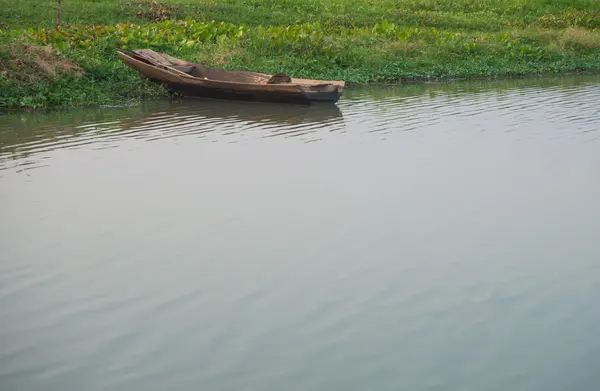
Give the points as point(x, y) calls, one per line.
point(196, 80)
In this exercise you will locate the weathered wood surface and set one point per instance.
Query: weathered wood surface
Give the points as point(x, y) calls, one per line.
point(196, 79)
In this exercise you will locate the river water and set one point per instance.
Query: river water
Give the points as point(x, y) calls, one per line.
point(425, 237)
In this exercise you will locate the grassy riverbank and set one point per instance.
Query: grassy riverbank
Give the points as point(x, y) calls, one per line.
point(358, 41)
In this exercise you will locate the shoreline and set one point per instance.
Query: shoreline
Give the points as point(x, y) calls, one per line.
point(76, 65)
point(351, 86)
point(499, 77)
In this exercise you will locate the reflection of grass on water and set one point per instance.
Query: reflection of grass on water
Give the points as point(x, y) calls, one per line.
point(366, 41)
point(468, 87)
point(19, 130)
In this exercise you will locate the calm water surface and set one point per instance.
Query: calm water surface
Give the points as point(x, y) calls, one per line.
point(412, 238)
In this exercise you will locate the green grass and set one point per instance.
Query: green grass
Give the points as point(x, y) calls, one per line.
point(357, 41)
point(489, 15)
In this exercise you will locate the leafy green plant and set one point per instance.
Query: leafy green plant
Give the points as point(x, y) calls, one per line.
point(585, 19)
point(366, 41)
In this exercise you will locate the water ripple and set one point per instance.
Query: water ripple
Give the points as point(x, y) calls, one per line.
point(516, 107)
point(443, 251)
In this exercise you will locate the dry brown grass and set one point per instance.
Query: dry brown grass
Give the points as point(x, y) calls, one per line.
point(153, 10)
point(537, 33)
point(32, 63)
point(575, 38)
point(578, 37)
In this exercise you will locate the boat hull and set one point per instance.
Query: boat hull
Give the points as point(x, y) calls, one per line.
point(230, 85)
point(257, 96)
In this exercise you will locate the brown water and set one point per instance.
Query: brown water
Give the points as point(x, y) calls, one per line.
point(427, 237)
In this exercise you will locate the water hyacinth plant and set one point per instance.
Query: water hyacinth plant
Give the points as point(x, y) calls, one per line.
point(374, 41)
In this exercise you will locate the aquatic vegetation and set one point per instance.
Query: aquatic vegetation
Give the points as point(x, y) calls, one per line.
point(370, 41)
point(312, 40)
point(585, 19)
point(37, 77)
point(160, 36)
